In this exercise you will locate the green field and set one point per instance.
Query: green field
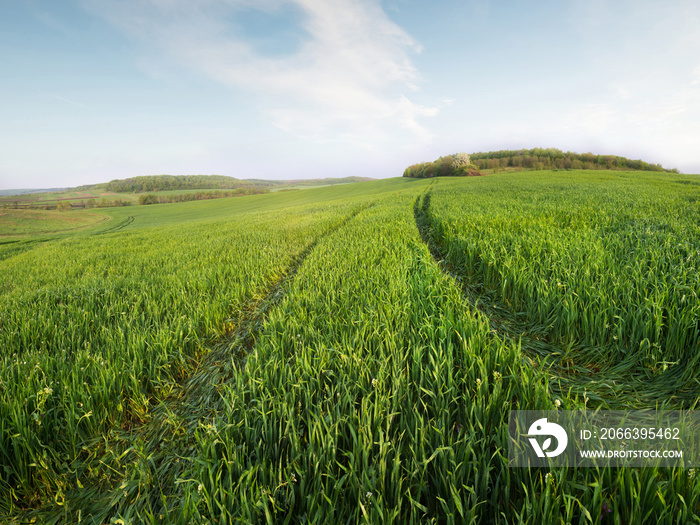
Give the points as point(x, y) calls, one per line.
point(70, 195)
point(14, 223)
point(347, 353)
point(100, 197)
point(110, 194)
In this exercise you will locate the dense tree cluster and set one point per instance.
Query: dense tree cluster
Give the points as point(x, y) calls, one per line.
point(148, 198)
point(67, 204)
point(105, 203)
point(153, 183)
point(457, 165)
point(151, 198)
point(550, 158)
point(148, 183)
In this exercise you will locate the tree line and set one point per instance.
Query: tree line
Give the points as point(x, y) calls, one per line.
point(151, 198)
point(67, 204)
point(456, 165)
point(146, 183)
point(551, 158)
point(461, 164)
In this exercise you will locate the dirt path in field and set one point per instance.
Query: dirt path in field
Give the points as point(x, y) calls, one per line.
point(573, 370)
point(157, 453)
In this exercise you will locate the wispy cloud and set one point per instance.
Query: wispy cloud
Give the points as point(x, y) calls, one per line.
point(350, 78)
point(656, 124)
point(696, 76)
point(61, 98)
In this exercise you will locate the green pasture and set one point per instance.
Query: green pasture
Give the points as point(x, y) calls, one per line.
point(56, 196)
point(30, 222)
point(83, 196)
point(348, 354)
point(99, 193)
point(187, 212)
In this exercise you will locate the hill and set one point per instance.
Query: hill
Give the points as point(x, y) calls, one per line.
point(526, 159)
point(148, 183)
point(27, 191)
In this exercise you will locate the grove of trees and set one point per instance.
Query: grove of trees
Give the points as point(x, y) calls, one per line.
point(457, 165)
point(151, 198)
point(147, 183)
point(462, 164)
point(551, 158)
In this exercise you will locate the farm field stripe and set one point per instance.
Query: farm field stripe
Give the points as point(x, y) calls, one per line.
point(560, 359)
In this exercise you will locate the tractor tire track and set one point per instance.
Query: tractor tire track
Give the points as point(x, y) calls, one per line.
point(610, 387)
point(118, 226)
point(239, 342)
point(190, 407)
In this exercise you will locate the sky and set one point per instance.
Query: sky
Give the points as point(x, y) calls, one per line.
point(95, 90)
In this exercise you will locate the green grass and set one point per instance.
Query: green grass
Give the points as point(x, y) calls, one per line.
point(349, 353)
point(32, 222)
point(111, 220)
point(74, 196)
point(355, 404)
point(189, 212)
point(605, 260)
point(69, 195)
point(83, 196)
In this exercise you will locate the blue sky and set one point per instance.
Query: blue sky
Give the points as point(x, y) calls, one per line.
point(93, 90)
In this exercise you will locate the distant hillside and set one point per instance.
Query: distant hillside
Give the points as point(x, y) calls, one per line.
point(10, 193)
point(150, 183)
point(527, 159)
point(178, 182)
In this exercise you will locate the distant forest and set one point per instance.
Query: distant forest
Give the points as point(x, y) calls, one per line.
point(147, 183)
point(151, 183)
point(530, 159)
point(150, 198)
point(550, 159)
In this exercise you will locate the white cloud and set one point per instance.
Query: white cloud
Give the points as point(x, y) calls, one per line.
point(348, 78)
point(696, 76)
point(659, 127)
